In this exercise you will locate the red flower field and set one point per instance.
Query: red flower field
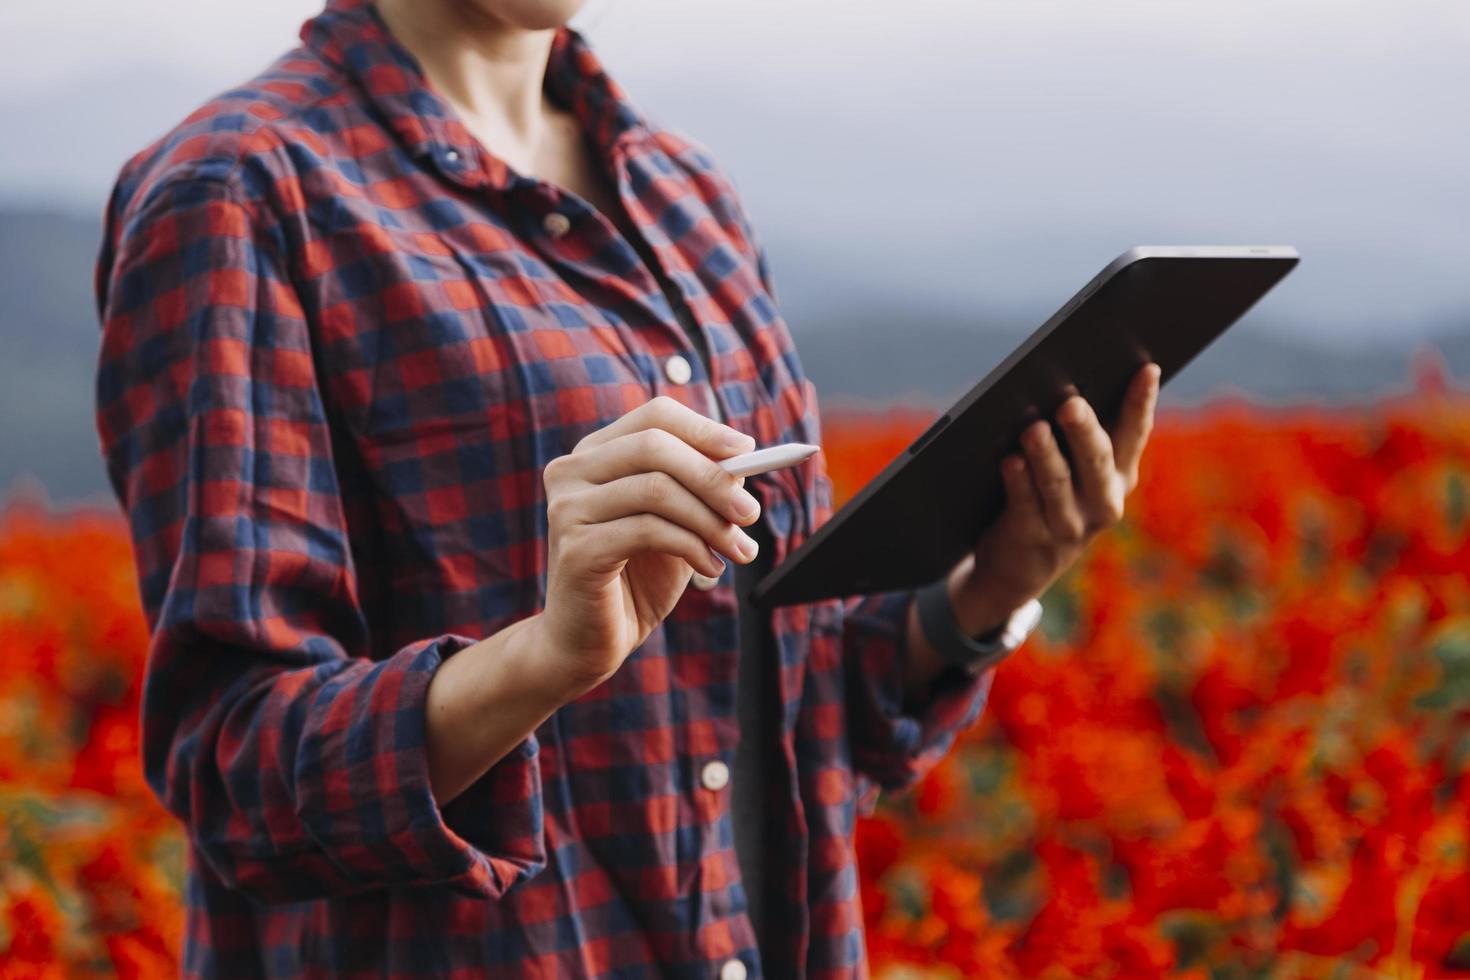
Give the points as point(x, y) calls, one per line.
point(1236, 747)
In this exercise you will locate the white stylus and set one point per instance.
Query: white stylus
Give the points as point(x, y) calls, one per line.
point(769, 458)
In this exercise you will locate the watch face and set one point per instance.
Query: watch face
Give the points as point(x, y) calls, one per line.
point(1022, 622)
point(1030, 617)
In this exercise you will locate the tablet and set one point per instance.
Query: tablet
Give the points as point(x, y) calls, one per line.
point(913, 522)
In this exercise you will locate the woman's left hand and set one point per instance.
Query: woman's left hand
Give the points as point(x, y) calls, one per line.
point(1053, 510)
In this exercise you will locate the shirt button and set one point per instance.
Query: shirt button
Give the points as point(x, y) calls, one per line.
point(677, 370)
point(704, 582)
point(451, 156)
point(556, 224)
point(732, 970)
point(715, 776)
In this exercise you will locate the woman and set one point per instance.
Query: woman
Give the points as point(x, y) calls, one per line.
point(419, 351)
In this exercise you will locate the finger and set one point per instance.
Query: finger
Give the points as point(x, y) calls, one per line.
point(649, 450)
point(1021, 498)
point(1053, 480)
point(1135, 420)
point(604, 546)
point(662, 412)
point(1099, 497)
point(658, 493)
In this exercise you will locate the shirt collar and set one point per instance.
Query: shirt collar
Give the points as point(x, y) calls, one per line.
point(352, 35)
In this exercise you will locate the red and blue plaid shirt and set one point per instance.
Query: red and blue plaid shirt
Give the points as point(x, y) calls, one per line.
point(341, 339)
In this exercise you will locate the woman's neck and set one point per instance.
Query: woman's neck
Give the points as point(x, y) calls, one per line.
point(490, 71)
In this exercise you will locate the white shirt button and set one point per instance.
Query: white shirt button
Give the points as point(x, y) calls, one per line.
point(556, 224)
point(451, 156)
point(677, 370)
point(732, 970)
point(704, 582)
point(715, 776)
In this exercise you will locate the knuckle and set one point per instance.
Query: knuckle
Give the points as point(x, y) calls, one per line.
point(671, 409)
point(650, 443)
point(654, 489)
point(663, 440)
point(576, 539)
point(1055, 484)
point(557, 508)
point(1073, 529)
point(1048, 543)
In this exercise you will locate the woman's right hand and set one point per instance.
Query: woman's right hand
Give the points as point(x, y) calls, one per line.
point(633, 509)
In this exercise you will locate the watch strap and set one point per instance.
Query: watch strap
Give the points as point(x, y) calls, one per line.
point(973, 654)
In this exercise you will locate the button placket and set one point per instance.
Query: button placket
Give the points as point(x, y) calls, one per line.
point(458, 164)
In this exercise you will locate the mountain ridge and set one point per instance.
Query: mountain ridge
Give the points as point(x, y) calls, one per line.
point(48, 329)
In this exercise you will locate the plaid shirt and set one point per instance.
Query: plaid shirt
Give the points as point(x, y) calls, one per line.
point(341, 339)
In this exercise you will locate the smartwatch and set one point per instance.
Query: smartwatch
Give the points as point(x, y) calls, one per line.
point(972, 654)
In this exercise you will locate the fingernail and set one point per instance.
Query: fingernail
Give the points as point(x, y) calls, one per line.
point(745, 505)
point(747, 546)
point(738, 441)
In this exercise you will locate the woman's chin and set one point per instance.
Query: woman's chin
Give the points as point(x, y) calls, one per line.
point(531, 15)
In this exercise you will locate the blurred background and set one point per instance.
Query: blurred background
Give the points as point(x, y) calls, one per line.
point(932, 180)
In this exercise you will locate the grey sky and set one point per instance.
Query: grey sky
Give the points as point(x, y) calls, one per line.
point(933, 155)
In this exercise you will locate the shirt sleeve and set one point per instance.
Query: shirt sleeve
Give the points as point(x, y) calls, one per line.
point(893, 748)
point(295, 758)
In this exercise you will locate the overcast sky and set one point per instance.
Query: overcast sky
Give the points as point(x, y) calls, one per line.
point(947, 155)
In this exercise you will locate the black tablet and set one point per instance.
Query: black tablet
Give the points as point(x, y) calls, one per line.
point(915, 520)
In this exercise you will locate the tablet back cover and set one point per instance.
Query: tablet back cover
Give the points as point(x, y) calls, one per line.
point(915, 520)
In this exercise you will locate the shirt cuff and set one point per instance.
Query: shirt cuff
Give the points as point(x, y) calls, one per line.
point(376, 815)
point(893, 747)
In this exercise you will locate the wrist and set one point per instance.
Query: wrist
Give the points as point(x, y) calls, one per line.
point(980, 608)
point(546, 667)
point(961, 646)
point(484, 700)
